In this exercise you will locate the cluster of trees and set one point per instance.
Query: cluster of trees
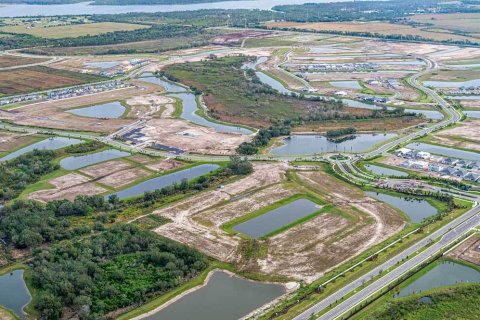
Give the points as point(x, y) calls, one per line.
point(28, 224)
point(263, 137)
point(84, 147)
point(340, 132)
point(18, 173)
point(120, 267)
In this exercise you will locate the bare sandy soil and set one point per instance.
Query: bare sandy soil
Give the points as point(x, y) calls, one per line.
point(464, 135)
point(165, 165)
point(67, 187)
point(143, 159)
point(122, 178)
point(151, 104)
point(10, 141)
point(51, 114)
point(468, 251)
point(105, 168)
point(191, 138)
point(302, 252)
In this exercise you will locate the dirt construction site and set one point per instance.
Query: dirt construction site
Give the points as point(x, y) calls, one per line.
point(468, 250)
point(303, 252)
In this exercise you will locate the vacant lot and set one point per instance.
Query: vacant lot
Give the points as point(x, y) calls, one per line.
point(381, 28)
point(468, 251)
point(349, 224)
point(72, 31)
point(463, 22)
point(463, 135)
point(10, 141)
point(11, 61)
point(40, 78)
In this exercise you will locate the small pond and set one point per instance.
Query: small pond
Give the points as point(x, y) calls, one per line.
point(110, 110)
point(416, 209)
point(310, 144)
point(224, 297)
point(190, 108)
point(452, 84)
point(14, 294)
point(53, 143)
point(277, 218)
point(385, 171)
point(102, 64)
point(445, 151)
point(472, 113)
point(76, 162)
point(469, 97)
point(346, 84)
point(445, 274)
point(166, 180)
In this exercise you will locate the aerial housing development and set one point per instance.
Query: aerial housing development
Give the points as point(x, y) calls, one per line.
point(205, 159)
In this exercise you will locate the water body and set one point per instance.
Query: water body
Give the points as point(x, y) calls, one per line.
point(190, 108)
point(169, 86)
point(445, 151)
point(400, 63)
point(465, 66)
point(472, 113)
point(110, 110)
point(224, 297)
point(452, 84)
point(385, 171)
point(310, 144)
point(101, 64)
point(14, 294)
point(47, 144)
point(346, 84)
point(17, 10)
point(416, 209)
point(76, 162)
point(446, 274)
point(277, 85)
point(166, 180)
point(472, 97)
point(277, 218)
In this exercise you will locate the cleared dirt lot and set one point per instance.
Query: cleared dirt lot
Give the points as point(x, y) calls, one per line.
point(51, 114)
point(165, 165)
point(191, 138)
point(305, 251)
point(468, 251)
point(67, 187)
point(10, 141)
point(12, 61)
point(464, 135)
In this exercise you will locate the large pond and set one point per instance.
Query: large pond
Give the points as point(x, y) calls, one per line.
point(224, 297)
point(17, 10)
point(445, 274)
point(472, 113)
point(169, 86)
point(110, 110)
point(47, 144)
point(429, 114)
point(445, 151)
point(469, 97)
point(277, 85)
point(76, 162)
point(166, 180)
point(310, 144)
point(452, 84)
point(14, 294)
point(277, 218)
point(102, 64)
point(385, 171)
point(190, 107)
point(416, 209)
point(346, 84)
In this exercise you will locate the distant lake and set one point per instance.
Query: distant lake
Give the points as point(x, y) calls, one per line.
point(110, 110)
point(20, 10)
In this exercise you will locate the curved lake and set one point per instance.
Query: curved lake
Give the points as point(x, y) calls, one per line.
point(277, 218)
point(110, 110)
point(224, 297)
point(14, 294)
point(310, 144)
point(47, 144)
point(76, 162)
point(385, 171)
point(416, 209)
point(445, 151)
point(429, 114)
point(17, 10)
point(190, 107)
point(445, 274)
point(169, 86)
point(166, 180)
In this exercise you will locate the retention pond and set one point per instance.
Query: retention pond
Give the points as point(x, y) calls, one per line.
point(76, 162)
point(14, 294)
point(47, 144)
point(110, 110)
